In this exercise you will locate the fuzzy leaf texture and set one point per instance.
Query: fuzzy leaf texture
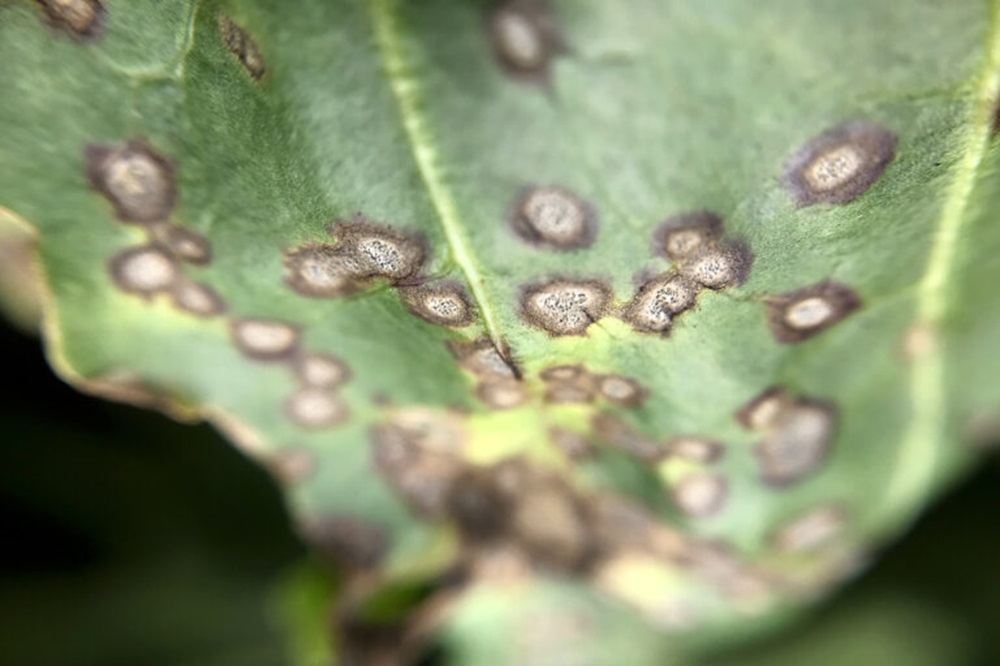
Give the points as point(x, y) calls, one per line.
point(616, 330)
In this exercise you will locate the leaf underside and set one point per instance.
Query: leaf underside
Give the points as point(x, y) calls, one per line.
point(282, 131)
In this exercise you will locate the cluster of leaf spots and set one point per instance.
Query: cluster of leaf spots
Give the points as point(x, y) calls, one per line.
point(82, 19)
point(702, 257)
point(499, 382)
point(525, 38)
point(241, 45)
point(574, 383)
point(797, 433)
point(534, 516)
point(364, 253)
point(840, 164)
point(800, 314)
point(139, 184)
point(315, 404)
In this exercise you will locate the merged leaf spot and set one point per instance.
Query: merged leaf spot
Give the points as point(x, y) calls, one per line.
point(502, 393)
point(144, 270)
point(554, 217)
point(799, 315)
point(241, 45)
point(684, 236)
point(263, 339)
point(572, 444)
point(314, 408)
point(569, 384)
point(347, 540)
point(321, 370)
point(798, 432)
point(444, 303)
point(185, 244)
point(361, 252)
point(138, 181)
point(696, 449)
point(417, 452)
point(621, 435)
point(659, 300)
point(80, 18)
point(197, 299)
point(565, 307)
point(525, 37)
point(811, 530)
point(719, 266)
point(840, 164)
point(700, 495)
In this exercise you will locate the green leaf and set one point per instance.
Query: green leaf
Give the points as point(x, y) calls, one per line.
point(420, 259)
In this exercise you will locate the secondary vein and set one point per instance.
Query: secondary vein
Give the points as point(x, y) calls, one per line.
point(918, 455)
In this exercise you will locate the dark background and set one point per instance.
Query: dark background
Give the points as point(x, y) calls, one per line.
point(128, 539)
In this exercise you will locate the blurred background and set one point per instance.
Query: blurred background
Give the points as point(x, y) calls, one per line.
point(129, 539)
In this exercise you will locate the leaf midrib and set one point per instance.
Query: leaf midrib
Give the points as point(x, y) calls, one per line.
point(406, 92)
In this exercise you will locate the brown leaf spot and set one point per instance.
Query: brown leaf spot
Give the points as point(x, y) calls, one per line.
point(316, 409)
point(83, 19)
point(525, 38)
point(623, 436)
point(444, 303)
point(565, 307)
point(554, 217)
point(241, 45)
point(263, 339)
point(138, 181)
point(196, 298)
point(185, 244)
point(720, 266)
point(144, 270)
point(801, 314)
point(700, 495)
point(811, 530)
point(321, 370)
point(841, 164)
point(659, 300)
point(684, 236)
point(797, 443)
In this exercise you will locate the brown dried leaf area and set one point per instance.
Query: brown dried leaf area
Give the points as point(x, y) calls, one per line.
point(519, 517)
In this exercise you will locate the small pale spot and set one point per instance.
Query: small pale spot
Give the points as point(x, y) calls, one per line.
point(321, 370)
point(314, 408)
point(500, 394)
point(565, 307)
point(700, 495)
point(524, 37)
point(185, 244)
point(319, 271)
point(293, 464)
point(685, 236)
point(554, 217)
point(811, 530)
point(80, 18)
point(144, 270)
point(264, 339)
point(696, 449)
point(762, 412)
point(196, 298)
point(622, 390)
point(801, 314)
